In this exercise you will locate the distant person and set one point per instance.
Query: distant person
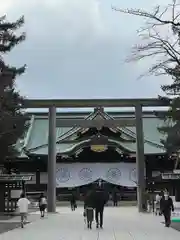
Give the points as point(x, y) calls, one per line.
point(23, 204)
point(166, 206)
point(162, 194)
point(42, 204)
point(157, 204)
point(148, 204)
point(115, 198)
point(100, 198)
point(88, 208)
point(73, 202)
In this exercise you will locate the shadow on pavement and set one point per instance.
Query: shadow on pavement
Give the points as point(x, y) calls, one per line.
point(6, 227)
point(176, 225)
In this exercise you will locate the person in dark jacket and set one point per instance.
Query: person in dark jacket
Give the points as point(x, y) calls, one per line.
point(166, 206)
point(88, 208)
point(73, 202)
point(100, 199)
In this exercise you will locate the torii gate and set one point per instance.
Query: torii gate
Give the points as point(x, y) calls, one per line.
point(52, 104)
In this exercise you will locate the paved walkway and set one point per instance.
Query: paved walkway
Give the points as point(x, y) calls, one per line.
point(123, 223)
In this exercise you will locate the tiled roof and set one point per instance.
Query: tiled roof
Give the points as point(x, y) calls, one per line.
point(36, 140)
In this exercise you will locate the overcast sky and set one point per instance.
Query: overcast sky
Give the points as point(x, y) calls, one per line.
point(77, 48)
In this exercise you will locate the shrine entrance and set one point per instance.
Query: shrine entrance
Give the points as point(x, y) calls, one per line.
point(70, 175)
point(138, 104)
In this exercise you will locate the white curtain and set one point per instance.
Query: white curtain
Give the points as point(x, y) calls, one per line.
point(78, 174)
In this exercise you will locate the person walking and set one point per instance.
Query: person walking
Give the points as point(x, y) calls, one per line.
point(162, 196)
point(115, 198)
point(88, 208)
point(73, 202)
point(166, 206)
point(100, 199)
point(157, 204)
point(42, 204)
point(23, 204)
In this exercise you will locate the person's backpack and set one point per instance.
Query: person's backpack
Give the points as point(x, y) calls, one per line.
point(43, 201)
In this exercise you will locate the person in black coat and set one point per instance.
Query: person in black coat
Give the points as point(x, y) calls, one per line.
point(166, 206)
point(100, 198)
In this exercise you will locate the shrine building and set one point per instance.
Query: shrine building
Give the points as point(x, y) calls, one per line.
point(86, 156)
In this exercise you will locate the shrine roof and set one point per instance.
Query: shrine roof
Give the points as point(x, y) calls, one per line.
point(36, 139)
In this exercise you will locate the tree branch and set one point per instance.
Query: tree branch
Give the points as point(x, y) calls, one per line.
point(165, 50)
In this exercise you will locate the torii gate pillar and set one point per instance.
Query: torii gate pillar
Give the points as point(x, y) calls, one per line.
point(51, 187)
point(140, 161)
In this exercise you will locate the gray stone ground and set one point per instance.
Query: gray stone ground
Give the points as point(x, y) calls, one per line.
point(120, 223)
point(8, 223)
point(5, 227)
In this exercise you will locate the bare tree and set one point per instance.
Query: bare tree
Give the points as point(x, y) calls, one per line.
point(160, 35)
point(161, 42)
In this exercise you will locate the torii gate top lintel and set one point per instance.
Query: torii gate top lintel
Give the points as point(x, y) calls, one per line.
point(94, 103)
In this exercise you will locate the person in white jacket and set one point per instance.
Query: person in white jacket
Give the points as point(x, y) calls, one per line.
point(157, 204)
point(23, 204)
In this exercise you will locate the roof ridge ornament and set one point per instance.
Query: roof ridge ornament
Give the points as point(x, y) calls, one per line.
point(99, 109)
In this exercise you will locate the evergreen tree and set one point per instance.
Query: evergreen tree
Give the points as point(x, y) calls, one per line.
point(161, 43)
point(12, 118)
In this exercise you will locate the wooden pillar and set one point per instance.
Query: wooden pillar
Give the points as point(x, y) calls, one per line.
point(177, 191)
point(38, 181)
point(24, 187)
point(140, 163)
point(51, 188)
point(2, 197)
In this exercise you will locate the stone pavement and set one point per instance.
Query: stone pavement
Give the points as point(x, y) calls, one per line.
point(122, 223)
point(8, 223)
